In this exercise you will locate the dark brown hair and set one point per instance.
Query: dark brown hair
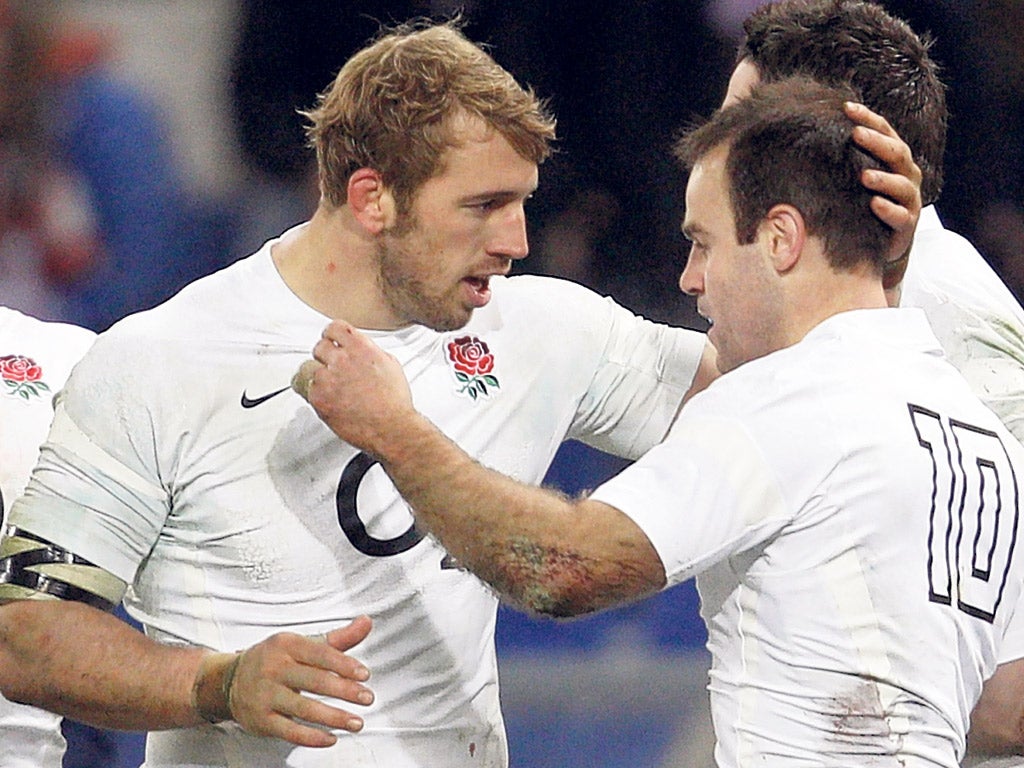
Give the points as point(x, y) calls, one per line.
point(858, 42)
point(791, 142)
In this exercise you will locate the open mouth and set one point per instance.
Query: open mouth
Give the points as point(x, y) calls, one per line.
point(480, 290)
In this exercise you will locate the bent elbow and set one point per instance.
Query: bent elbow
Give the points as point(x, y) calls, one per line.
point(557, 601)
point(562, 582)
point(566, 594)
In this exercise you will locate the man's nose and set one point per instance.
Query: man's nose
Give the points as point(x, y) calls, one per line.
point(691, 281)
point(510, 240)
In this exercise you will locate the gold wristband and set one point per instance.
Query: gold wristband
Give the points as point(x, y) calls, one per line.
point(211, 691)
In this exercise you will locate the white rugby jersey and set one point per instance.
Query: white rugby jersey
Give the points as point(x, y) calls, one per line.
point(852, 510)
point(181, 462)
point(975, 317)
point(980, 326)
point(35, 359)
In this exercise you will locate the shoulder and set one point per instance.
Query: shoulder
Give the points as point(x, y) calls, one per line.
point(17, 324)
point(222, 322)
point(793, 382)
point(945, 268)
point(149, 349)
point(202, 309)
point(540, 289)
point(51, 347)
point(560, 313)
point(552, 302)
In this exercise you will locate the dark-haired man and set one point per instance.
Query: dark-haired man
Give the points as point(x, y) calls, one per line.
point(976, 318)
point(819, 489)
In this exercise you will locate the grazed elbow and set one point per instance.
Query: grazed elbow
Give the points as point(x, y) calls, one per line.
point(562, 583)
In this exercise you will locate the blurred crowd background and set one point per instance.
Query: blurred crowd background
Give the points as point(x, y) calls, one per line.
point(144, 143)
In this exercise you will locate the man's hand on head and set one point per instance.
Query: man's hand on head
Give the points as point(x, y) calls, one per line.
point(897, 201)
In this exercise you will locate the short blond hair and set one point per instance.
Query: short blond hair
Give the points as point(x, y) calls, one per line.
point(392, 105)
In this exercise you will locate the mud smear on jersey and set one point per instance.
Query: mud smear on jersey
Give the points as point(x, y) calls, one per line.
point(863, 725)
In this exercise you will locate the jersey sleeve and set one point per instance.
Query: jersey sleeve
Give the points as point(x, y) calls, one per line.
point(643, 373)
point(706, 493)
point(96, 490)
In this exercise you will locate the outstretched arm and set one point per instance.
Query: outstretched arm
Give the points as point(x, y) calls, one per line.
point(540, 550)
point(897, 201)
point(81, 662)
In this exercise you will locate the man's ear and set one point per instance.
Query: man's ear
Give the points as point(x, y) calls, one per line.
point(370, 201)
point(784, 233)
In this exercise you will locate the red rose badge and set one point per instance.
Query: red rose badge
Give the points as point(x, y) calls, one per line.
point(22, 376)
point(473, 362)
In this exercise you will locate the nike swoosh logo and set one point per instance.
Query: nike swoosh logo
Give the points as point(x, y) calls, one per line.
point(247, 403)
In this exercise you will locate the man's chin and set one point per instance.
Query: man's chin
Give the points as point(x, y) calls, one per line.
point(448, 324)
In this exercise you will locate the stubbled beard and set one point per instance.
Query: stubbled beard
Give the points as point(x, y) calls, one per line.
point(408, 295)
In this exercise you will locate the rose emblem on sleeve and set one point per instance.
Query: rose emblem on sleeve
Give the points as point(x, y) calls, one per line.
point(22, 376)
point(473, 364)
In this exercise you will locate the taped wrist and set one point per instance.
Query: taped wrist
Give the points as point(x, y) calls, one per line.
point(893, 271)
point(211, 690)
point(898, 262)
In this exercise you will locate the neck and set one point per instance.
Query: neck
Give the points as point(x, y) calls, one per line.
point(330, 264)
point(829, 295)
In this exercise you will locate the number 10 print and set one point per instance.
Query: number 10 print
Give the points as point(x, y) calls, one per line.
point(974, 513)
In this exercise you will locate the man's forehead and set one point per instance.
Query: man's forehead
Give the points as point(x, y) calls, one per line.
point(465, 126)
point(705, 189)
point(696, 193)
point(708, 170)
point(483, 164)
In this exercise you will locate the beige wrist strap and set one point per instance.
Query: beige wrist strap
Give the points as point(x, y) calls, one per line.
point(211, 691)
